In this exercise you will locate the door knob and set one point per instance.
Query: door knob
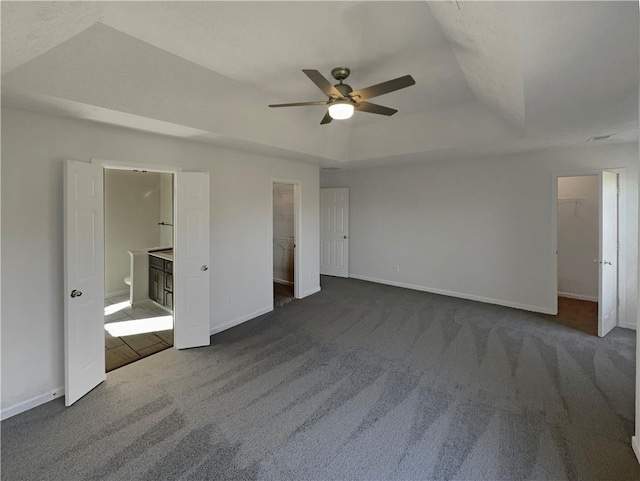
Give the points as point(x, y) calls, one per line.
point(344, 236)
point(76, 293)
point(604, 263)
point(205, 267)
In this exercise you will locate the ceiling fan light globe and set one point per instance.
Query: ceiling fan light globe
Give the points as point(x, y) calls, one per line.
point(341, 110)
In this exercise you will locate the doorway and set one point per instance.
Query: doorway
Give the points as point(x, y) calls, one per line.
point(586, 240)
point(84, 267)
point(284, 243)
point(334, 232)
point(138, 312)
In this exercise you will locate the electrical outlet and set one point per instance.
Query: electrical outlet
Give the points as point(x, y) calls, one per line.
point(396, 268)
point(229, 300)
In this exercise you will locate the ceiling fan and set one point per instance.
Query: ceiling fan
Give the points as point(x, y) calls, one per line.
point(343, 100)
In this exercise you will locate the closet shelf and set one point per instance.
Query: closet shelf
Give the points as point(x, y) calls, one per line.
point(570, 200)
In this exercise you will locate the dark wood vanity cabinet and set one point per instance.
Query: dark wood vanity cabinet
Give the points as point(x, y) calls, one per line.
point(168, 284)
point(161, 281)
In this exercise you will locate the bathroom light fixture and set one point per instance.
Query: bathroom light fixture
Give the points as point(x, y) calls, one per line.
point(341, 110)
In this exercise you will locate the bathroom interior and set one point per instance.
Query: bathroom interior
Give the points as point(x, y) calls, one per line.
point(138, 265)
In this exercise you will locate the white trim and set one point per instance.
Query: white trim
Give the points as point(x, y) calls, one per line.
point(310, 292)
point(635, 443)
point(628, 325)
point(239, 320)
point(581, 297)
point(157, 304)
point(119, 165)
point(117, 293)
point(31, 403)
point(622, 245)
point(282, 281)
point(146, 302)
point(471, 297)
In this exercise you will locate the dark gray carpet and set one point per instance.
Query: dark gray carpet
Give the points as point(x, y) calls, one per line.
point(358, 382)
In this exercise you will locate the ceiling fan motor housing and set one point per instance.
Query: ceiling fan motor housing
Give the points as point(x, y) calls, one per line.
point(344, 89)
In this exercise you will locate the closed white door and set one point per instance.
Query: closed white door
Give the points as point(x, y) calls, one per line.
point(191, 267)
point(83, 279)
point(334, 232)
point(608, 260)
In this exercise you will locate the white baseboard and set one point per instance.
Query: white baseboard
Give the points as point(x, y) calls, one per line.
point(31, 403)
point(310, 291)
point(154, 303)
point(144, 302)
point(635, 443)
point(239, 320)
point(248, 317)
point(627, 325)
point(580, 297)
point(282, 281)
point(471, 297)
point(117, 293)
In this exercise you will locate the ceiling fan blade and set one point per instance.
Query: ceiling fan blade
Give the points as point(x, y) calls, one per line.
point(374, 108)
point(326, 119)
point(301, 104)
point(382, 88)
point(322, 83)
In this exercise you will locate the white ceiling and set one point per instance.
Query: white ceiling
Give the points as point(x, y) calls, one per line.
point(491, 77)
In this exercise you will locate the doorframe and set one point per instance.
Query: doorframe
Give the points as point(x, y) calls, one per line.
point(161, 169)
point(297, 232)
point(622, 251)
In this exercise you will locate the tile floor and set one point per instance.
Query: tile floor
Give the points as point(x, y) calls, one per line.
point(134, 333)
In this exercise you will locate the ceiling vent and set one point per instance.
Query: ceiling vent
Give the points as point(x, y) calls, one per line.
point(598, 138)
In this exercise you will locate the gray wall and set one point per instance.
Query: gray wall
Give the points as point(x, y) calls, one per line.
point(478, 228)
point(34, 148)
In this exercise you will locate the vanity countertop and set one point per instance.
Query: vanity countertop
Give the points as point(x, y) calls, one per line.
point(166, 254)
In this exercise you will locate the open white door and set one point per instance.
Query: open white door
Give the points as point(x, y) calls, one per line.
point(608, 261)
point(191, 274)
point(83, 279)
point(334, 232)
